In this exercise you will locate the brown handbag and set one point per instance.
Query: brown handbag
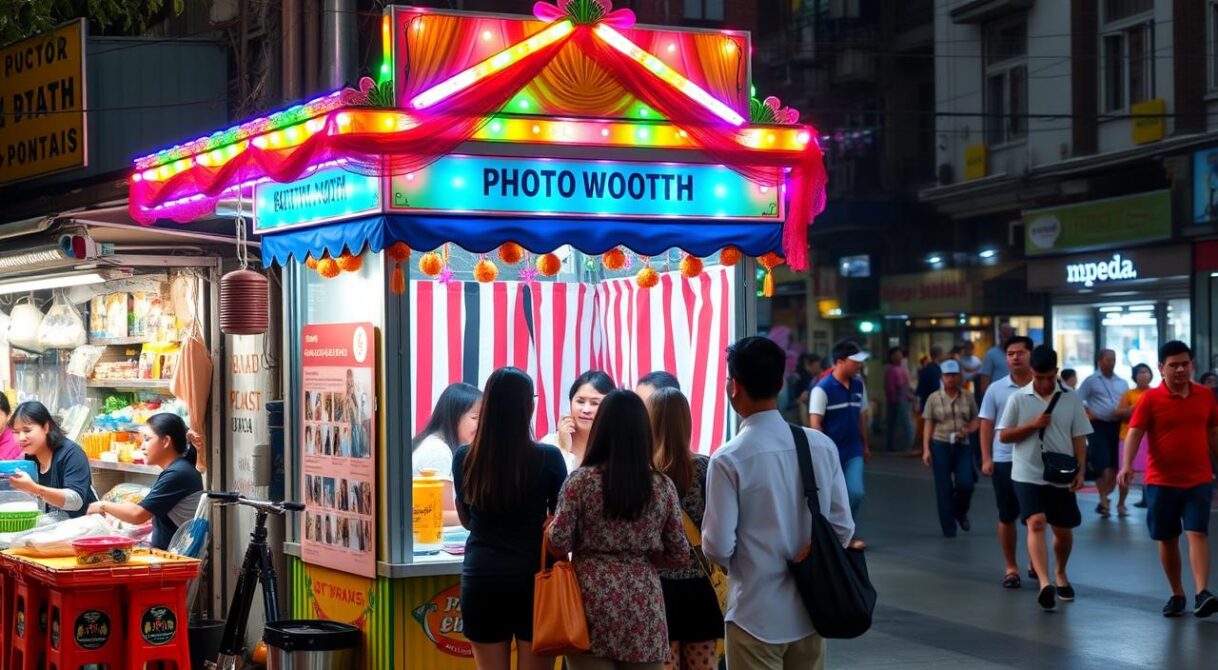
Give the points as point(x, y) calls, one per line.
point(560, 627)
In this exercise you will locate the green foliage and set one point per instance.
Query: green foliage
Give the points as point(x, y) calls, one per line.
point(381, 95)
point(20, 19)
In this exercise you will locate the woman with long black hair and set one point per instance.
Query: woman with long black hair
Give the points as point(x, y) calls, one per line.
point(505, 486)
point(695, 623)
point(64, 479)
point(621, 519)
point(175, 495)
point(586, 395)
point(453, 422)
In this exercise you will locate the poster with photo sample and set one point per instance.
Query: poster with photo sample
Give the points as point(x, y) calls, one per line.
point(337, 447)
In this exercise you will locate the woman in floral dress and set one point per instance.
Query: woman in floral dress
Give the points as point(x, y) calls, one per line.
point(620, 519)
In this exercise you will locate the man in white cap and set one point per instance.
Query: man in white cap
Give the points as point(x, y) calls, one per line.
point(838, 408)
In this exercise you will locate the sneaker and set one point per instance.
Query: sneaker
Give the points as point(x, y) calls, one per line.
point(1066, 593)
point(1047, 597)
point(964, 524)
point(1207, 604)
point(1174, 607)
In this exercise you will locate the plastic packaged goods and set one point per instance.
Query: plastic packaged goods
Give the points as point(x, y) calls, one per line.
point(62, 328)
point(126, 492)
point(57, 539)
point(25, 320)
point(84, 360)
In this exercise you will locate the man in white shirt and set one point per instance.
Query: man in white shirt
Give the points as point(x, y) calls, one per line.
point(994, 363)
point(1034, 428)
point(1101, 394)
point(757, 518)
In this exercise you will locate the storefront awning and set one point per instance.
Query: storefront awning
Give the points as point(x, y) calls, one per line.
point(484, 234)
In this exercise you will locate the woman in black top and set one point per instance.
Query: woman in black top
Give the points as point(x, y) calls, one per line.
point(505, 484)
point(64, 479)
point(175, 495)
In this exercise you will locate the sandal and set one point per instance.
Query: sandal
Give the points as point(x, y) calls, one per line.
point(1102, 510)
point(1012, 581)
point(1122, 510)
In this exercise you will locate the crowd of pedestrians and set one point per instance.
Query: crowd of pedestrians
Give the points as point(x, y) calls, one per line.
point(618, 489)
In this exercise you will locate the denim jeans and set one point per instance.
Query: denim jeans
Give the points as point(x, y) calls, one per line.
point(852, 469)
point(954, 480)
point(900, 428)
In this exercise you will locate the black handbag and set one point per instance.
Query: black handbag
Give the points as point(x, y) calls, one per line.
point(1058, 468)
point(832, 580)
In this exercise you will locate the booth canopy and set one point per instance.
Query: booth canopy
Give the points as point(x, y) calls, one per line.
point(437, 112)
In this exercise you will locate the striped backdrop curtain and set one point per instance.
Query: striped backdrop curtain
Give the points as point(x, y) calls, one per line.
point(463, 331)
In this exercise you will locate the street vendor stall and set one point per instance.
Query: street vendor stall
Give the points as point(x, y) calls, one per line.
point(560, 193)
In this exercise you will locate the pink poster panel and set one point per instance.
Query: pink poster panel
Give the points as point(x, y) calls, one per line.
point(338, 448)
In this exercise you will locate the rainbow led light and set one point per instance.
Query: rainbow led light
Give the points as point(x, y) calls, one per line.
point(466, 78)
point(290, 116)
point(623, 44)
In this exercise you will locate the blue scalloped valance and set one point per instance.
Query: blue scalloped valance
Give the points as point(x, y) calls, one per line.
point(541, 234)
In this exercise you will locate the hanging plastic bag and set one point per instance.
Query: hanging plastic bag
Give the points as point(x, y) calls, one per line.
point(24, 323)
point(62, 328)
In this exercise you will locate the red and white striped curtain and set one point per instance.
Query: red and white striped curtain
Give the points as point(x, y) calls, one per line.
point(463, 331)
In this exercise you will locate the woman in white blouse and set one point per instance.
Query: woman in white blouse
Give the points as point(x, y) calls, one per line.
point(453, 423)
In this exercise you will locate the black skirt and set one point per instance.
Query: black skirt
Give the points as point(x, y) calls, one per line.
point(692, 610)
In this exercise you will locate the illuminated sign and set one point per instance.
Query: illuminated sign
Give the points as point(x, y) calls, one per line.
point(582, 188)
point(1087, 274)
point(324, 195)
point(42, 109)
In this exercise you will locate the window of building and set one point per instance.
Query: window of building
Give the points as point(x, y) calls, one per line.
point(1006, 81)
point(1127, 53)
point(704, 10)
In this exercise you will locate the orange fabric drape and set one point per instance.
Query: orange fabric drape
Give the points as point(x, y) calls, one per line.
point(573, 84)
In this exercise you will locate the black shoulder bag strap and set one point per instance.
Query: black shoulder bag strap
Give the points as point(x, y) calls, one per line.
point(803, 451)
point(1049, 410)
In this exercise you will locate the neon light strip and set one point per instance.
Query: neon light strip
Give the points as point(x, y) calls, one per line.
point(623, 44)
point(513, 129)
point(465, 79)
point(220, 139)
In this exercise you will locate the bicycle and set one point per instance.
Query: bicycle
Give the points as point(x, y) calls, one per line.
point(256, 568)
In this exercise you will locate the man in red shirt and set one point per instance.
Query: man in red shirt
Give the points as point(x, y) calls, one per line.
point(1180, 420)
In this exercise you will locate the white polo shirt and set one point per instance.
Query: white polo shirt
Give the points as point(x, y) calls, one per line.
point(1069, 420)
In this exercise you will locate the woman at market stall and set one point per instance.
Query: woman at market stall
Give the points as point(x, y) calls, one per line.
point(621, 519)
point(64, 482)
point(586, 395)
point(175, 495)
point(9, 449)
point(505, 486)
point(453, 422)
point(691, 607)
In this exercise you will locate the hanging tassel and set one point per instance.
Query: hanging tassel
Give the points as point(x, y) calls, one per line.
point(397, 283)
point(767, 287)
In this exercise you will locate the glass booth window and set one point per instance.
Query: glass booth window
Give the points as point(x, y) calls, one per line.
point(1180, 320)
point(1074, 338)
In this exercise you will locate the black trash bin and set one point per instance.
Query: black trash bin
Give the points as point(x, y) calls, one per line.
point(310, 644)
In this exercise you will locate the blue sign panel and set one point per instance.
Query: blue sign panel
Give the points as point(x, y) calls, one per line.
point(540, 186)
point(1205, 186)
point(324, 195)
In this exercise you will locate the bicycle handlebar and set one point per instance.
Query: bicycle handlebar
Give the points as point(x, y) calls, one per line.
point(235, 498)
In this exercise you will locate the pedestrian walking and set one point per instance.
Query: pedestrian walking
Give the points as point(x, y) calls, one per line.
point(996, 455)
point(616, 515)
point(505, 485)
point(1142, 376)
point(899, 434)
point(695, 623)
point(1048, 427)
point(1180, 421)
point(1101, 394)
point(757, 518)
point(838, 408)
point(930, 378)
point(994, 363)
point(951, 418)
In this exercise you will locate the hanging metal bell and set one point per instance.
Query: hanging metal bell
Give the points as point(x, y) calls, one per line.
point(244, 308)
